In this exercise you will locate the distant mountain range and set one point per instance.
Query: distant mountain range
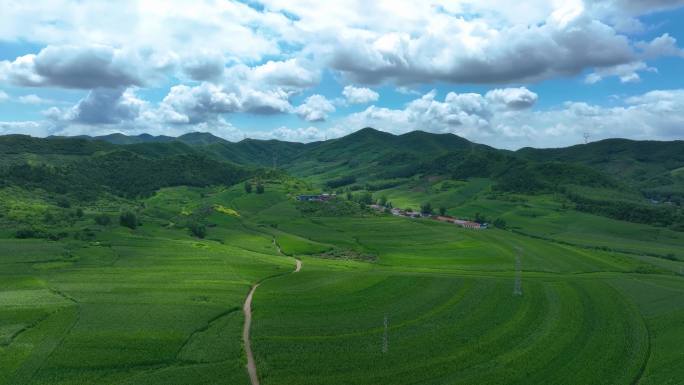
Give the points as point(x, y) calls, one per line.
point(654, 169)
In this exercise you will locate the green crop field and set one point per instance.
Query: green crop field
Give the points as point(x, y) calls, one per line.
point(155, 305)
point(121, 282)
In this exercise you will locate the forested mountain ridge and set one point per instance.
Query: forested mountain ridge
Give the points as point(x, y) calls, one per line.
point(641, 181)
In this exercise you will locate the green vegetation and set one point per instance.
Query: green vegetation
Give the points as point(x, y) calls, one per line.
point(128, 219)
point(157, 297)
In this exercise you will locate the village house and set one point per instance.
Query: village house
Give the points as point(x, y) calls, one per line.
point(316, 198)
point(398, 212)
point(469, 224)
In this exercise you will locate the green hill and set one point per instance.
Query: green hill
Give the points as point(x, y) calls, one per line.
point(645, 165)
point(622, 179)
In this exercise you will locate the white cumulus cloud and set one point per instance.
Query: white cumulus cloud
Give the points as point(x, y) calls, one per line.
point(315, 108)
point(359, 95)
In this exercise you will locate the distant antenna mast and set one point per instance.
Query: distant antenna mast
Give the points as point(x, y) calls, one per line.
point(586, 137)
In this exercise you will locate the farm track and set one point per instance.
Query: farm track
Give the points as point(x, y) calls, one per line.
point(47, 347)
point(247, 309)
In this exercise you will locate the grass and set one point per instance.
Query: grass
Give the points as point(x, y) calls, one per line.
point(155, 305)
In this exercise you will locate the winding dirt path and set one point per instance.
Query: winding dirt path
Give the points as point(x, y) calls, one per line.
point(247, 309)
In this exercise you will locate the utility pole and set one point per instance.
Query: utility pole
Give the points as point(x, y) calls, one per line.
point(385, 339)
point(517, 287)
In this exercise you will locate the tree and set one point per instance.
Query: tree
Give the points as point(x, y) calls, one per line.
point(499, 223)
point(248, 187)
point(382, 201)
point(260, 188)
point(103, 219)
point(48, 217)
point(426, 208)
point(350, 196)
point(198, 230)
point(128, 219)
point(479, 218)
point(366, 198)
point(442, 211)
point(63, 203)
point(79, 212)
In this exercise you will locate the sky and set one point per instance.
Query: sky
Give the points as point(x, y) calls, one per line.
point(540, 73)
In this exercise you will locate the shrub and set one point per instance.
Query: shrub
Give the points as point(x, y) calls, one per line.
point(365, 198)
point(426, 208)
point(248, 187)
point(339, 182)
point(28, 233)
point(499, 223)
point(103, 219)
point(198, 230)
point(63, 203)
point(382, 201)
point(128, 219)
point(48, 217)
point(260, 188)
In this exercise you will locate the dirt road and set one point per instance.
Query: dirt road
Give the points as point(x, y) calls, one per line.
point(247, 309)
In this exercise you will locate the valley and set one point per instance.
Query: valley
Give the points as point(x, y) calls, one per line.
point(565, 289)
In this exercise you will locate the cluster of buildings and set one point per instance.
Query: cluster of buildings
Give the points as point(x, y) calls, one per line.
point(316, 198)
point(442, 218)
point(401, 213)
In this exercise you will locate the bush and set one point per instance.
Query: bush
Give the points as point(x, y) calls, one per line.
point(63, 203)
point(49, 218)
point(442, 211)
point(128, 219)
point(499, 223)
point(365, 198)
point(28, 233)
point(339, 182)
point(260, 188)
point(426, 208)
point(198, 230)
point(248, 187)
point(103, 219)
point(382, 201)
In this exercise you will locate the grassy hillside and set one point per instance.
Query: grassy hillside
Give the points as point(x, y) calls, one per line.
point(649, 166)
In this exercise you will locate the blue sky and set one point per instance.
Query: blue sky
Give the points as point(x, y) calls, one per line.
point(534, 73)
